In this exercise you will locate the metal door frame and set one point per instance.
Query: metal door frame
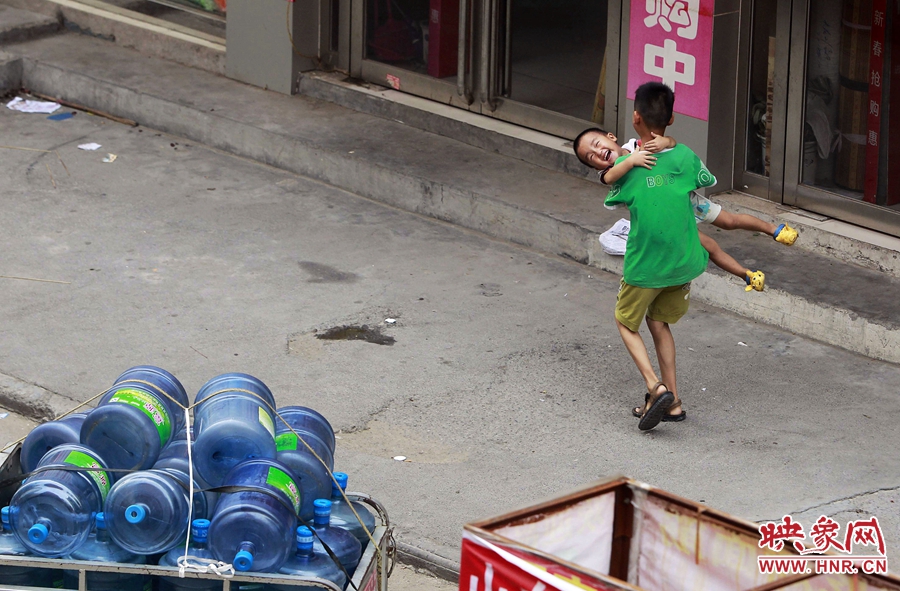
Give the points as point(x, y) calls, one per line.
point(338, 58)
point(771, 187)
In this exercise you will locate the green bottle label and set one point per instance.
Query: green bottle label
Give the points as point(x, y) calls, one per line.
point(286, 441)
point(82, 460)
point(266, 421)
point(151, 406)
point(285, 484)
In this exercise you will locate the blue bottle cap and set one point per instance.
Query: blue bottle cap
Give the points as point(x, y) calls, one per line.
point(243, 561)
point(5, 513)
point(37, 533)
point(304, 536)
point(135, 513)
point(100, 520)
point(200, 530)
point(341, 478)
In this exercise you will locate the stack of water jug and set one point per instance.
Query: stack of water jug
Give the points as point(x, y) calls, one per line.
point(254, 475)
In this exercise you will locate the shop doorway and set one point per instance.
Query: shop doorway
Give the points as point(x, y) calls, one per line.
point(543, 64)
point(821, 100)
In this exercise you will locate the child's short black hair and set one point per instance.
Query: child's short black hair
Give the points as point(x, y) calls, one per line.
point(654, 102)
point(577, 142)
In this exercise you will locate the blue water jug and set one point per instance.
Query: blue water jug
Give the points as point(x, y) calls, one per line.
point(100, 548)
point(197, 549)
point(253, 529)
point(175, 457)
point(233, 422)
point(48, 435)
point(342, 543)
point(315, 481)
point(342, 516)
point(306, 562)
point(136, 418)
point(53, 511)
point(20, 575)
point(302, 417)
point(147, 512)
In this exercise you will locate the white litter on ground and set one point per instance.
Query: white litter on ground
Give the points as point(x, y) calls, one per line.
point(90, 147)
point(20, 104)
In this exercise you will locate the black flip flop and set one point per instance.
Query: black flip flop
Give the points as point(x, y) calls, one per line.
point(667, 418)
point(656, 407)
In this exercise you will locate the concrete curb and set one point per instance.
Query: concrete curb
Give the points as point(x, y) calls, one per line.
point(19, 25)
point(483, 213)
point(10, 73)
point(31, 400)
point(146, 34)
point(428, 560)
point(492, 135)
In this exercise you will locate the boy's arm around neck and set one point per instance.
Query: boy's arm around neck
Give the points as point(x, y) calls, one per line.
point(638, 158)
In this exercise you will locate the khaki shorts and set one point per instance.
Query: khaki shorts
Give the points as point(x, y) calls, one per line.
point(666, 304)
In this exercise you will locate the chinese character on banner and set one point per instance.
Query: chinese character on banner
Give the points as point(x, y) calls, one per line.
point(774, 535)
point(865, 532)
point(824, 533)
point(873, 123)
point(670, 41)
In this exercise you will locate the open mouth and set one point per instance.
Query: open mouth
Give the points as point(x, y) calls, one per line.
point(605, 154)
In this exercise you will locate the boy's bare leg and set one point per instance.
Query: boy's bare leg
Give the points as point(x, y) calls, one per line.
point(665, 355)
point(742, 221)
point(638, 351)
point(720, 258)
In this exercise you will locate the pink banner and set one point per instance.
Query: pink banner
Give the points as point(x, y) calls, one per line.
point(670, 41)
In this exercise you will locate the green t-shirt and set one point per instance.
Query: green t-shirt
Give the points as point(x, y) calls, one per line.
point(663, 247)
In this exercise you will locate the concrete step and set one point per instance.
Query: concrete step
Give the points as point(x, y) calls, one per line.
point(20, 25)
point(810, 293)
point(150, 35)
point(829, 237)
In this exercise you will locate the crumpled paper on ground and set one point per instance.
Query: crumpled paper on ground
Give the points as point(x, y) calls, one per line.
point(613, 241)
point(20, 104)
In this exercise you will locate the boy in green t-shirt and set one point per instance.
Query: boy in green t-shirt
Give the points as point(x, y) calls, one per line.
point(663, 254)
point(598, 149)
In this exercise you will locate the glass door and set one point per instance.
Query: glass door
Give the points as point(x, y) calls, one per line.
point(821, 98)
point(548, 63)
point(545, 64)
point(417, 46)
point(762, 110)
point(844, 107)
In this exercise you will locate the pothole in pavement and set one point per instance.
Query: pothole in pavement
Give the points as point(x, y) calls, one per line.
point(356, 333)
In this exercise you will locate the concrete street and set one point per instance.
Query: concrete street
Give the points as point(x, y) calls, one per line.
point(502, 381)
